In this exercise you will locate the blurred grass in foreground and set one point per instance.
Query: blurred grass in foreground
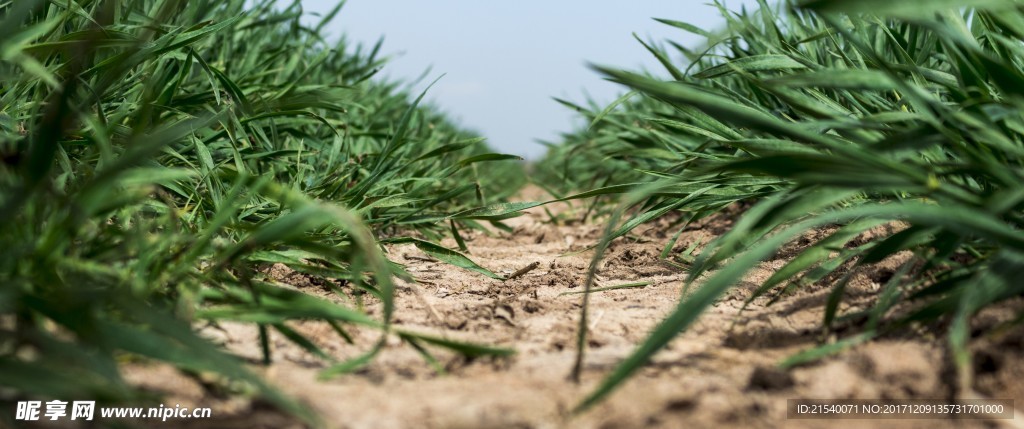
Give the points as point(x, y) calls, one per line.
point(159, 155)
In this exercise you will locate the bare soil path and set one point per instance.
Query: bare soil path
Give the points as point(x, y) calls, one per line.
point(717, 374)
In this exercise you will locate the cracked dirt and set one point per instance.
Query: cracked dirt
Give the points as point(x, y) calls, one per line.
point(720, 373)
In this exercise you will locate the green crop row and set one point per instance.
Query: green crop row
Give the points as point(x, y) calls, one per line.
point(844, 115)
point(159, 155)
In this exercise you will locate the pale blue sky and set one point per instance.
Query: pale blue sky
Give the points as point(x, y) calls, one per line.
point(503, 61)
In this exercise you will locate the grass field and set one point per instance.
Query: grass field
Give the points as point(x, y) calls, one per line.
point(162, 160)
point(829, 120)
point(157, 154)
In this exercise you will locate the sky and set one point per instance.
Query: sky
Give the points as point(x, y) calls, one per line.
point(503, 61)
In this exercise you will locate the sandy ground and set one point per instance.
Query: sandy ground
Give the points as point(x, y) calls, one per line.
point(720, 373)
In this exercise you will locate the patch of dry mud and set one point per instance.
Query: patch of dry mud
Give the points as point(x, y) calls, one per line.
point(716, 374)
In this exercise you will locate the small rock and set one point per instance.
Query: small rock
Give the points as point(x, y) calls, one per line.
point(769, 379)
point(506, 313)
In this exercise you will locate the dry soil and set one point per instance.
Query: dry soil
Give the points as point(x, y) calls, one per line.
point(722, 372)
